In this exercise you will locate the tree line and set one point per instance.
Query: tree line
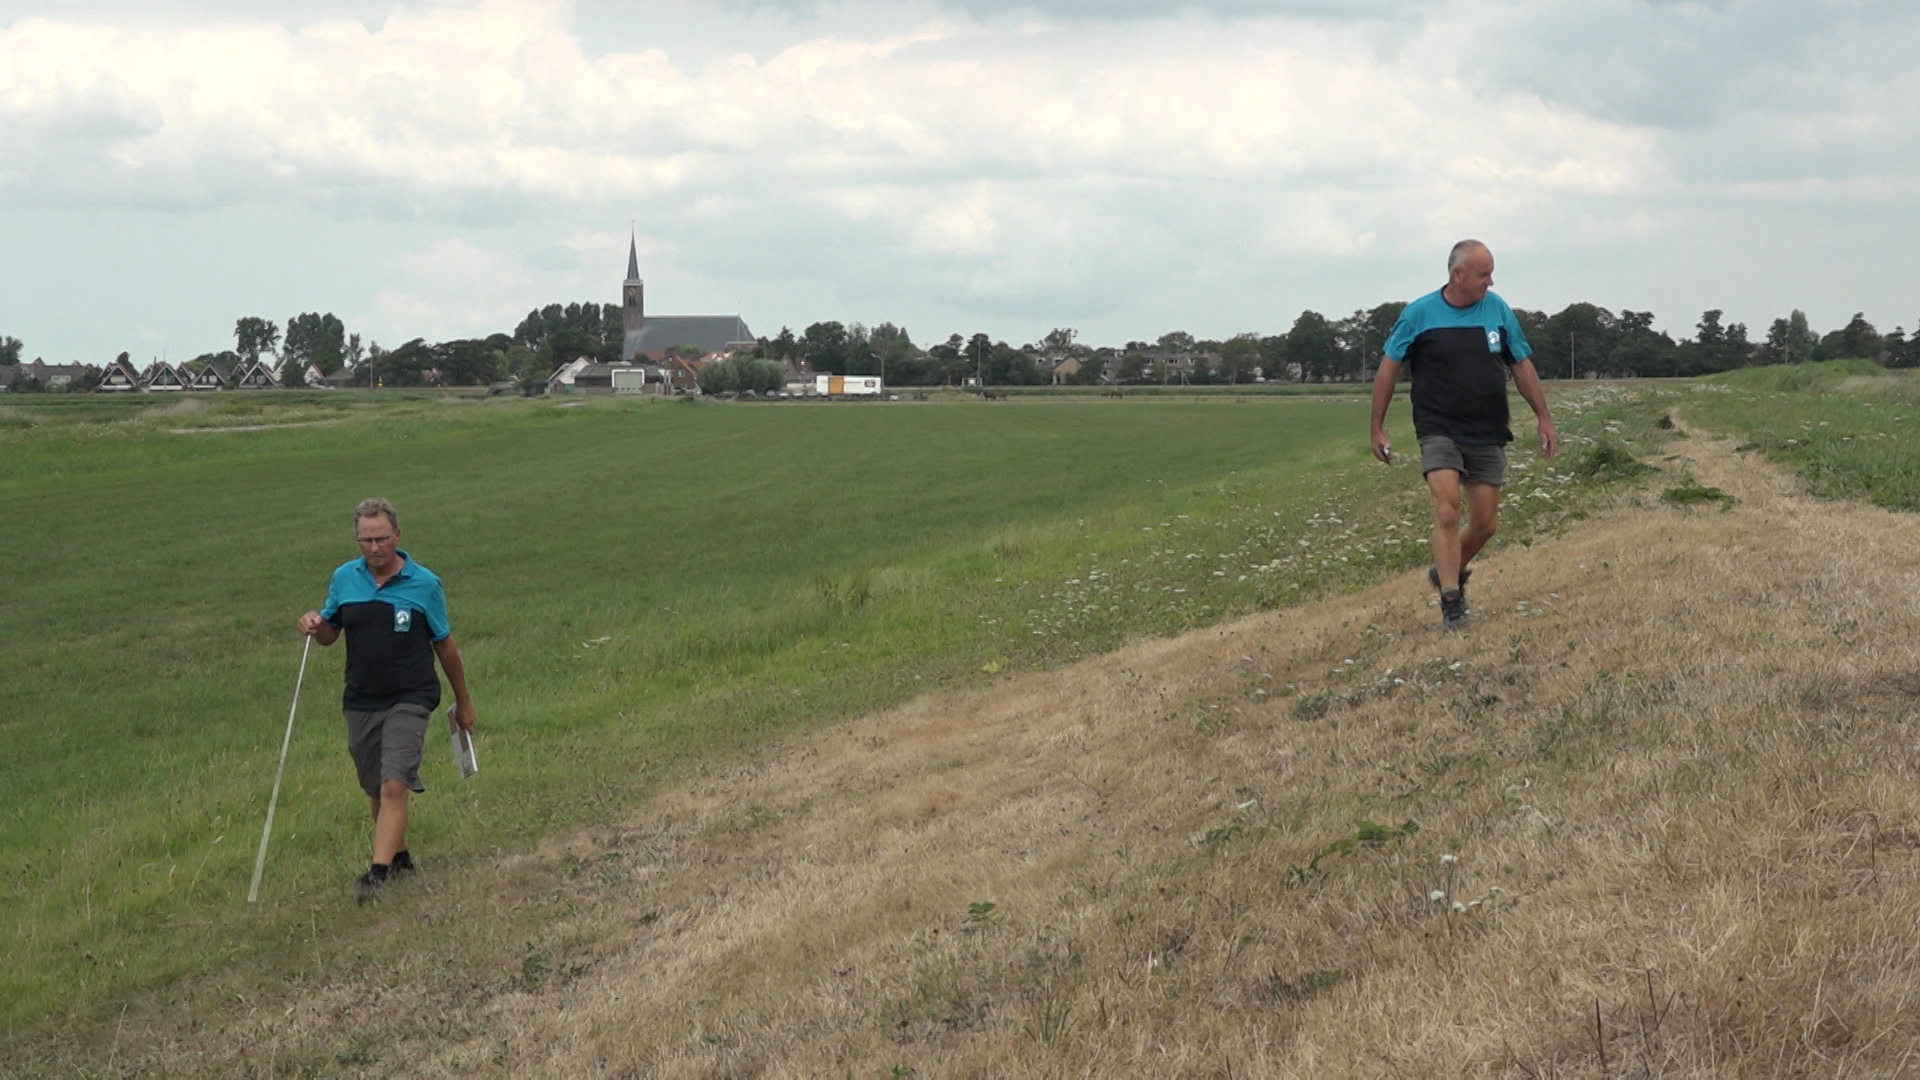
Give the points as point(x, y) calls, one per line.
point(1582, 340)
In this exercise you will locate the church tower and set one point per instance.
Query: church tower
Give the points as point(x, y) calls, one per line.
point(633, 293)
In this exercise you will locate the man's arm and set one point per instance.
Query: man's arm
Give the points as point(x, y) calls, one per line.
point(449, 654)
point(1527, 381)
point(319, 629)
point(1383, 380)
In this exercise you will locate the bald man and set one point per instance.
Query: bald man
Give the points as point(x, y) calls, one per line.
point(1459, 343)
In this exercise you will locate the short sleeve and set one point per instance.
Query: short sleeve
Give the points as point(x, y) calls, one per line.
point(330, 611)
point(1401, 339)
point(1517, 348)
point(434, 606)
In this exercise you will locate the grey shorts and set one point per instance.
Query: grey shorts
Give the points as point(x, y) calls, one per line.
point(386, 745)
point(1475, 464)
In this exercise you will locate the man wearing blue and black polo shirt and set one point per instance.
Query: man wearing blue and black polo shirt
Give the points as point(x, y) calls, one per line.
point(394, 614)
point(1459, 342)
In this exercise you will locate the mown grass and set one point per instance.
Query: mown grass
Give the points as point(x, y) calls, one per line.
point(631, 582)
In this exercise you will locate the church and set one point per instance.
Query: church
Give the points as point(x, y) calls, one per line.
point(651, 337)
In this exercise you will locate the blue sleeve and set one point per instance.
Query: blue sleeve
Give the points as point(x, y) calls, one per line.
point(330, 611)
point(434, 606)
point(1517, 347)
point(1401, 339)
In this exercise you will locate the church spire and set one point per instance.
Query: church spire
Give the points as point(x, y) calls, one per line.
point(633, 258)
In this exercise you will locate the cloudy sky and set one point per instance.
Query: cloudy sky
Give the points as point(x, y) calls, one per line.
point(435, 168)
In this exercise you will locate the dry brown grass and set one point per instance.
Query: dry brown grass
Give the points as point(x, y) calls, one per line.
point(1681, 743)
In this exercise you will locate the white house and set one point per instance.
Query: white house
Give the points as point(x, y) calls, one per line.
point(561, 381)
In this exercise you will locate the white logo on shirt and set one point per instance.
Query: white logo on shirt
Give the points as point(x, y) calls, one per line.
point(402, 620)
point(1493, 341)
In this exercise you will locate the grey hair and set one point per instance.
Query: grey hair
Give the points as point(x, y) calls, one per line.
point(1460, 252)
point(371, 508)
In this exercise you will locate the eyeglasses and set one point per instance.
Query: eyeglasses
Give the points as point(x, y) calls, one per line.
point(375, 541)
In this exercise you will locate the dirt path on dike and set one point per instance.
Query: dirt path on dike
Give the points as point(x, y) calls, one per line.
point(1674, 756)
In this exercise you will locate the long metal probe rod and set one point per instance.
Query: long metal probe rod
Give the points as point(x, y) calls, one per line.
point(266, 831)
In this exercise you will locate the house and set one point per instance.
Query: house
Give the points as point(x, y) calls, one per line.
point(1065, 369)
point(797, 375)
point(119, 379)
point(315, 378)
point(561, 381)
point(254, 376)
point(46, 376)
point(683, 373)
point(656, 337)
point(622, 379)
point(163, 378)
point(213, 376)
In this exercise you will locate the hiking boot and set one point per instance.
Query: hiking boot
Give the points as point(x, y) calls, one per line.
point(1453, 610)
point(367, 888)
point(1433, 578)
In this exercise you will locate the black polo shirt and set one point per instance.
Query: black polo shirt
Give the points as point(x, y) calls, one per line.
point(390, 632)
point(1458, 359)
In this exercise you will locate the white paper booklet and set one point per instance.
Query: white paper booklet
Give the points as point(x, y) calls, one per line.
point(464, 757)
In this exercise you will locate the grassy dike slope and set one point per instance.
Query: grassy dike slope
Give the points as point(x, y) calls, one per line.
point(632, 583)
point(1675, 778)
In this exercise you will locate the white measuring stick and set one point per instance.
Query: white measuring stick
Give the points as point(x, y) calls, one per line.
point(266, 831)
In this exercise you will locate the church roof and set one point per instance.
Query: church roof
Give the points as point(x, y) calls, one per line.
point(633, 259)
point(708, 333)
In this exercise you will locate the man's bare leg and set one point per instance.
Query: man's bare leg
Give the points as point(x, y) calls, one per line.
point(1483, 517)
point(1444, 484)
point(389, 821)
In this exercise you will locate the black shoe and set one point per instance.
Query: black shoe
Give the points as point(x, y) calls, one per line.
point(402, 865)
point(1453, 610)
point(1433, 578)
point(367, 888)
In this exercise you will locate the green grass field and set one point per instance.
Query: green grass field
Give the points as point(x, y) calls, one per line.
point(634, 584)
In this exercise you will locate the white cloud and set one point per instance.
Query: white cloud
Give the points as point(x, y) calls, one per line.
point(1026, 163)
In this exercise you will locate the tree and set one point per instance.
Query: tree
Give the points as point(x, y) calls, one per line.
point(1638, 349)
point(467, 363)
point(254, 335)
point(354, 354)
point(293, 373)
point(1312, 349)
point(1789, 340)
point(742, 372)
point(827, 347)
point(1856, 339)
point(317, 339)
point(1178, 342)
point(1239, 356)
point(1578, 340)
point(1713, 348)
point(1133, 368)
point(407, 365)
point(10, 349)
point(1901, 353)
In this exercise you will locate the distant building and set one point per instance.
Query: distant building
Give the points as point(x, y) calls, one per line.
point(561, 381)
point(254, 376)
point(654, 337)
point(119, 379)
point(46, 376)
point(623, 379)
point(211, 377)
point(162, 377)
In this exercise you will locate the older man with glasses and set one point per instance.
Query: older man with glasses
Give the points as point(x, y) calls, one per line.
point(394, 614)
